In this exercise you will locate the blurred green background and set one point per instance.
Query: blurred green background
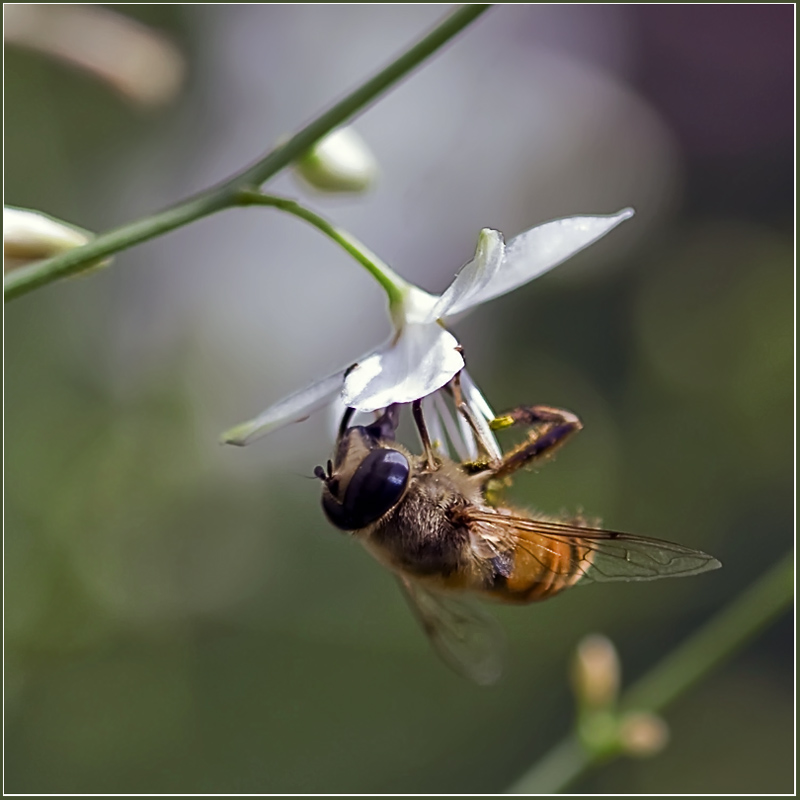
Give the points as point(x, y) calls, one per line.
point(179, 617)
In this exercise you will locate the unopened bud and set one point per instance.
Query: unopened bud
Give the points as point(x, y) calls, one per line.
point(596, 672)
point(30, 236)
point(340, 162)
point(643, 734)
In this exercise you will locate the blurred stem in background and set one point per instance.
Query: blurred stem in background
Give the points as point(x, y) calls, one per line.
point(226, 194)
point(720, 638)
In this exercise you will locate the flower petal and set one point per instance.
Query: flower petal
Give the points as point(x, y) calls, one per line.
point(475, 278)
point(417, 308)
point(464, 446)
point(434, 422)
point(483, 414)
point(474, 398)
point(423, 359)
point(540, 249)
point(294, 408)
point(30, 236)
point(339, 162)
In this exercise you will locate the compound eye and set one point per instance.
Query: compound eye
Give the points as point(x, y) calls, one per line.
point(376, 487)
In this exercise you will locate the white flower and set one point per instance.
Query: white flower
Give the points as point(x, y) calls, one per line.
point(340, 162)
point(30, 236)
point(422, 355)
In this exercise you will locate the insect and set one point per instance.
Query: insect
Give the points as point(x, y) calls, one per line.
point(444, 531)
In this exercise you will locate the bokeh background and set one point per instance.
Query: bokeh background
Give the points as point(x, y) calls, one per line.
point(179, 617)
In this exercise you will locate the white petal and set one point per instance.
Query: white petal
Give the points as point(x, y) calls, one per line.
point(474, 398)
point(475, 278)
point(423, 359)
point(30, 235)
point(464, 445)
point(417, 307)
point(434, 423)
point(540, 249)
point(482, 413)
point(294, 408)
point(339, 162)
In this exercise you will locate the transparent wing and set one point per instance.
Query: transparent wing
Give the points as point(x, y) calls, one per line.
point(591, 554)
point(466, 637)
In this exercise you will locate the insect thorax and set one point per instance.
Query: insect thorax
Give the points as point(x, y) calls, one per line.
point(424, 534)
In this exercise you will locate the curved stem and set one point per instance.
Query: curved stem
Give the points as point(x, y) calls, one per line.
point(717, 640)
point(394, 286)
point(225, 194)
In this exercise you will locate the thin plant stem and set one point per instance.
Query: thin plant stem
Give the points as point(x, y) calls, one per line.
point(391, 282)
point(715, 642)
point(225, 195)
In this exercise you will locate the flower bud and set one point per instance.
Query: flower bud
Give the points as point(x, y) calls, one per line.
point(30, 236)
point(596, 672)
point(642, 734)
point(340, 162)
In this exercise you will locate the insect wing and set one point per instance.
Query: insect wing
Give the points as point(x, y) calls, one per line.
point(594, 554)
point(466, 637)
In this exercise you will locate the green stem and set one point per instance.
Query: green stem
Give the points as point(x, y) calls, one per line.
point(22, 281)
point(225, 195)
point(392, 283)
point(716, 641)
point(563, 764)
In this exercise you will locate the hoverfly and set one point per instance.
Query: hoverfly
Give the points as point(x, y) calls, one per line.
point(441, 527)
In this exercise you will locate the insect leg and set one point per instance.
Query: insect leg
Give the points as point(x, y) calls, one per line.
point(346, 417)
point(419, 419)
point(552, 427)
point(385, 426)
point(488, 452)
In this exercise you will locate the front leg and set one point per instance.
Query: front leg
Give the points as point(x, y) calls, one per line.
point(430, 459)
point(551, 428)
